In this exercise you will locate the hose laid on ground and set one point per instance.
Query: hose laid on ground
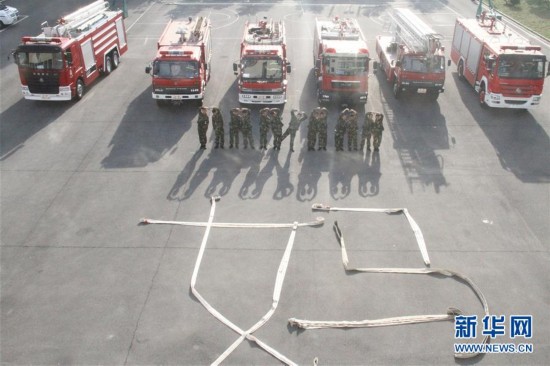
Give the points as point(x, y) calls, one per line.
point(244, 334)
point(450, 315)
point(414, 226)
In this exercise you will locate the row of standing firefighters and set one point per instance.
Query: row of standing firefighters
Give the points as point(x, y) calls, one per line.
point(271, 120)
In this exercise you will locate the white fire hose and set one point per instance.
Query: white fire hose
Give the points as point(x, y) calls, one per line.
point(244, 334)
point(451, 312)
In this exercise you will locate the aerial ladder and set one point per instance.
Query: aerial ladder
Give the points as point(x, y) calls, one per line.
point(413, 33)
point(79, 21)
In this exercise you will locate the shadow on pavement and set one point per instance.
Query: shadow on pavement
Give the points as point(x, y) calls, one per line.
point(521, 144)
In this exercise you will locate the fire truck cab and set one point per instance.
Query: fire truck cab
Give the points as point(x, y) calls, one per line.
point(263, 66)
point(412, 57)
point(501, 65)
point(59, 63)
point(341, 60)
point(181, 68)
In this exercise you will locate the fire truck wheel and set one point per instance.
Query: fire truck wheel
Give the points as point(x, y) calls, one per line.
point(460, 70)
point(396, 89)
point(433, 94)
point(79, 89)
point(116, 59)
point(160, 103)
point(482, 96)
point(108, 67)
point(1, 25)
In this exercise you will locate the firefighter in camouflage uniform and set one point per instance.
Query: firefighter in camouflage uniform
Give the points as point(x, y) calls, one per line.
point(265, 124)
point(296, 118)
point(340, 130)
point(234, 128)
point(202, 126)
point(276, 127)
point(217, 125)
point(351, 129)
point(246, 128)
point(378, 127)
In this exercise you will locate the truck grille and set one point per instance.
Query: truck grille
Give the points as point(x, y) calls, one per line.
point(343, 84)
point(516, 90)
point(180, 90)
point(43, 83)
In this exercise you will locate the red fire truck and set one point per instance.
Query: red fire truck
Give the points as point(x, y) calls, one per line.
point(181, 69)
point(502, 66)
point(263, 66)
point(341, 60)
point(59, 63)
point(412, 57)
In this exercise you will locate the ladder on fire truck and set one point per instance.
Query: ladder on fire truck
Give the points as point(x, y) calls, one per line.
point(341, 29)
point(79, 21)
point(265, 32)
point(414, 33)
point(194, 32)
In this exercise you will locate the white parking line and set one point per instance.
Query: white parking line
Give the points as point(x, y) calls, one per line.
point(11, 25)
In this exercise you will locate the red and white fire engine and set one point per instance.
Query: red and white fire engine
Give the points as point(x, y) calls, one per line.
point(412, 57)
point(181, 68)
point(263, 66)
point(500, 64)
point(59, 63)
point(341, 60)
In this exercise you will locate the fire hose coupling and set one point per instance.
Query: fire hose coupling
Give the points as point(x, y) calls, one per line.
point(320, 207)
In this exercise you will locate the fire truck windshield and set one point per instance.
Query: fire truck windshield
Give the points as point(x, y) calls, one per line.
point(435, 64)
point(346, 65)
point(40, 60)
point(262, 69)
point(521, 67)
point(176, 69)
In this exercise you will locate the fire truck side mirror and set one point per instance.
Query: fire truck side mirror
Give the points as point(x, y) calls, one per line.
point(548, 73)
point(397, 63)
point(148, 69)
point(288, 68)
point(448, 63)
point(375, 66)
point(235, 68)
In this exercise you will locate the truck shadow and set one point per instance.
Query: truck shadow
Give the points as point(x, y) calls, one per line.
point(521, 144)
point(418, 129)
point(146, 132)
point(18, 123)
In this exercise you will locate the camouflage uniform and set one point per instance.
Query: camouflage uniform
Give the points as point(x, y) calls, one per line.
point(340, 130)
point(246, 128)
point(352, 127)
point(322, 129)
point(296, 119)
point(377, 129)
point(202, 124)
point(313, 129)
point(367, 129)
point(276, 127)
point(265, 123)
point(234, 128)
point(217, 125)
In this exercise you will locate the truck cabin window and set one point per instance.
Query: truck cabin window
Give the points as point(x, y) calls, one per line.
point(176, 69)
point(524, 67)
point(347, 65)
point(40, 60)
point(423, 64)
point(262, 69)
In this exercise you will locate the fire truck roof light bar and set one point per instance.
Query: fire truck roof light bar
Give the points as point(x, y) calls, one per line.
point(42, 39)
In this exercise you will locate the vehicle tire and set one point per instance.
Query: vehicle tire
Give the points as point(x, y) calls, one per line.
point(396, 89)
point(108, 67)
point(482, 96)
point(1, 25)
point(79, 89)
point(160, 103)
point(460, 70)
point(116, 59)
point(433, 94)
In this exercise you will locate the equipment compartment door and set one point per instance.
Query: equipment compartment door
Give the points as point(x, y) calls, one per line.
point(89, 59)
point(120, 33)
